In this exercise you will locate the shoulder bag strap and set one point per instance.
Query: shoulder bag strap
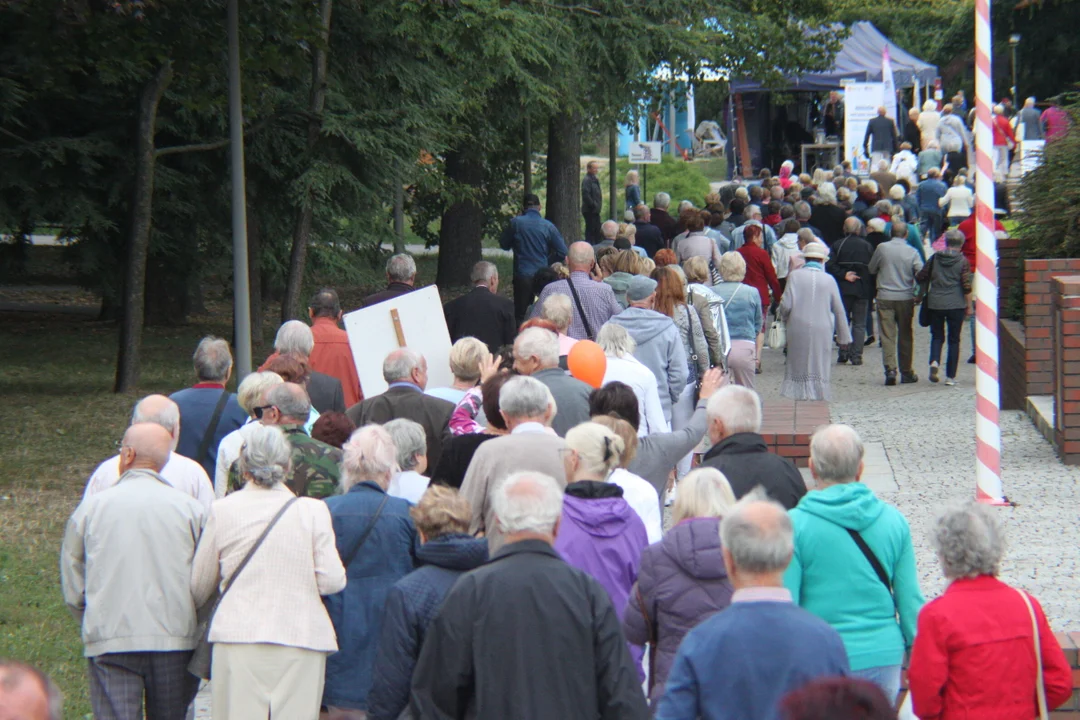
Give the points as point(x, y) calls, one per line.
point(266, 531)
point(690, 322)
point(879, 569)
point(580, 308)
point(363, 538)
point(651, 629)
point(725, 304)
point(1039, 683)
point(204, 444)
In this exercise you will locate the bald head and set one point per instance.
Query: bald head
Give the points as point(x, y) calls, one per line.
point(27, 693)
point(610, 229)
point(882, 111)
point(1029, 103)
point(159, 410)
point(853, 226)
point(758, 540)
point(146, 446)
point(581, 257)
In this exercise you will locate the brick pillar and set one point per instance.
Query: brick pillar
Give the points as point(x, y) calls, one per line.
point(1065, 352)
point(1010, 269)
point(1038, 274)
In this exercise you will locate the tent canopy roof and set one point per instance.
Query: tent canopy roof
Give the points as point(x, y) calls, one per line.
point(860, 60)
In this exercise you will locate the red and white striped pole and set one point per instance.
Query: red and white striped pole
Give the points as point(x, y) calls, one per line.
point(987, 428)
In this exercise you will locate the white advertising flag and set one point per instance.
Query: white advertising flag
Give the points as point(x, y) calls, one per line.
point(890, 85)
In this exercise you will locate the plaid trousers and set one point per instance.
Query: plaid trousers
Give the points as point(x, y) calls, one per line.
point(121, 684)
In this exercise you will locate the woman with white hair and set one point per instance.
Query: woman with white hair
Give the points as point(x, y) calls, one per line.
point(271, 633)
point(904, 163)
point(466, 355)
point(959, 200)
point(928, 122)
point(744, 315)
point(250, 394)
point(682, 580)
point(410, 440)
point(813, 312)
point(622, 366)
point(981, 645)
point(377, 543)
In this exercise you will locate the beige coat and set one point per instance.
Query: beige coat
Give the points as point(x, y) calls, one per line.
point(277, 598)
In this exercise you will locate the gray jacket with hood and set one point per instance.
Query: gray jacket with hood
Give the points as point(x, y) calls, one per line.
point(659, 348)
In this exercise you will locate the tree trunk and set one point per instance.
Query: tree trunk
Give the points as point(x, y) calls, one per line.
point(254, 246)
point(131, 326)
point(461, 233)
point(564, 175)
point(290, 304)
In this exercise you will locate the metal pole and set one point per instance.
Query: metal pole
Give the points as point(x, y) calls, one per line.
point(613, 180)
point(1015, 90)
point(528, 156)
point(671, 123)
point(399, 215)
point(241, 290)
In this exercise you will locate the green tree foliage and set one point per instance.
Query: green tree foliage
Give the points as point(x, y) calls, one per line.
point(1048, 223)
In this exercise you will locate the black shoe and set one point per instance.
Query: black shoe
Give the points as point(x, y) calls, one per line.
point(971, 360)
point(869, 340)
point(890, 378)
point(856, 361)
point(842, 358)
point(906, 378)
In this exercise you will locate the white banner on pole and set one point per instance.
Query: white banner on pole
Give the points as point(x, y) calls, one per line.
point(888, 85)
point(861, 101)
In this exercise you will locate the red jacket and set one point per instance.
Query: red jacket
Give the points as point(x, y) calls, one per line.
point(760, 273)
point(1003, 131)
point(333, 356)
point(974, 655)
point(968, 228)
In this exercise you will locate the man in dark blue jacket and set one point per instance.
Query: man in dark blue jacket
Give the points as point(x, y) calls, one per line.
point(536, 243)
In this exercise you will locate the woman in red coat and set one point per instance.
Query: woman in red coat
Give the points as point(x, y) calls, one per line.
point(1004, 141)
point(974, 653)
point(760, 275)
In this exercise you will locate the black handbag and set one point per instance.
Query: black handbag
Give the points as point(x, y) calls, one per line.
point(924, 290)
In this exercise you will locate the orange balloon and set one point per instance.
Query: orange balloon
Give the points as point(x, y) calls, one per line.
point(587, 363)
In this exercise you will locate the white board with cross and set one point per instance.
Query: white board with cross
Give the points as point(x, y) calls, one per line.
point(415, 321)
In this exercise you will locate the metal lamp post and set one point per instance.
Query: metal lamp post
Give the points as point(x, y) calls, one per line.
point(1014, 42)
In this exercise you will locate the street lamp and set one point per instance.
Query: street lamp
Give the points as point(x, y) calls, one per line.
point(1014, 42)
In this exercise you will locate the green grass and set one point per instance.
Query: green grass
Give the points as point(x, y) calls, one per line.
point(59, 421)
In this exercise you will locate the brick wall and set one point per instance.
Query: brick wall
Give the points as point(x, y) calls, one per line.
point(1037, 318)
point(1010, 268)
point(788, 424)
point(1012, 369)
point(1065, 368)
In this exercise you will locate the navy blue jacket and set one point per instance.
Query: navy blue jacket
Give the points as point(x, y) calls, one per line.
point(357, 611)
point(196, 408)
point(536, 242)
point(410, 608)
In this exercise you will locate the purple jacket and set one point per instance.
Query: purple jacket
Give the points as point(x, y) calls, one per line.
point(683, 581)
point(602, 535)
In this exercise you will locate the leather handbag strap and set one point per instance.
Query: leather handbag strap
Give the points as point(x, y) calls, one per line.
point(1040, 685)
point(580, 309)
point(363, 538)
point(204, 444)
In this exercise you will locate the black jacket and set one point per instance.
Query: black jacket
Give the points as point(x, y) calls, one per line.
point(393, 290)
point(913, 135)
point(526, 637)
point(325, 393)
point(829, 219)
point(592, 197)
point(669, 226)
point(457, 453)
point(410, 403)
point(882, 130)
point(484, 315)
point(746, 462)
point(648, 237)
point(852, 254)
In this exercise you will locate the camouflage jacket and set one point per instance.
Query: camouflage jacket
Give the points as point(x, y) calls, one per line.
point(316, 466)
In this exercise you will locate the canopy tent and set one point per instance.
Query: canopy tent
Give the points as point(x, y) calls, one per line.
point(860, 60)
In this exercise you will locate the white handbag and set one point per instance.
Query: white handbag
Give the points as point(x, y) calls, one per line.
point(776, 338)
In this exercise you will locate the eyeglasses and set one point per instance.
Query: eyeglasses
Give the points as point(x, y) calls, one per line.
point(258, 410)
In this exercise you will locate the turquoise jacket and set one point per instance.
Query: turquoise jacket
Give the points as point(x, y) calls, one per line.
point(830, 577)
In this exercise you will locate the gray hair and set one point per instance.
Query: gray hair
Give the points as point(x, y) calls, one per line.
point(826, 193)
point(853, 226)
point(753, 212)
point(758, 534)
point(836, 451)
point(883, 206)
point(969, 541)
point(401, 268)
point(557, 309)
point(610, 229)
point(13, 673)
point(266, 455)
point(483, 272)
point(159, 410)
point(525, 397)
point(899, 229)
point(739, 408)
point(662, 200)
point(294, 336)
point(254, 387)
point(399, 364)
point(538, 343)
point(614, 340)
point(291, 400)
point(732, 267)
point(527, 502)
point(703, 493)
point(213, 359)
point(410, 440)
point(368, 454)
point(802, 210)
point(954, 239)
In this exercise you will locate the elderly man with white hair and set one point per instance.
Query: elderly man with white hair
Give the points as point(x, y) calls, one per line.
point(409, 482)
point(182, 473)
point(594, 301)
point(536, 354)
point(609, 230)
point(753, 217)
point(482, 651)
point(793, 647)
point(406, 373)
point(623, 367)
point(365, 516)
point(739, 451)
point(854, 564)
point(527, 407)
point(400, 280)
point(661, 218)
point(325, 391)
point(208, 411)
point(125, 569)
point(482, 313)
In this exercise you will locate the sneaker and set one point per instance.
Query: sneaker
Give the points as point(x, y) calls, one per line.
point(906, 378)
point(934, 369)
point(890, 377)
point(971, 360)
point(869, 340)
point(950, 381)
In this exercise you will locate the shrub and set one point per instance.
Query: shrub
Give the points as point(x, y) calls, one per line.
point(679, 179)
